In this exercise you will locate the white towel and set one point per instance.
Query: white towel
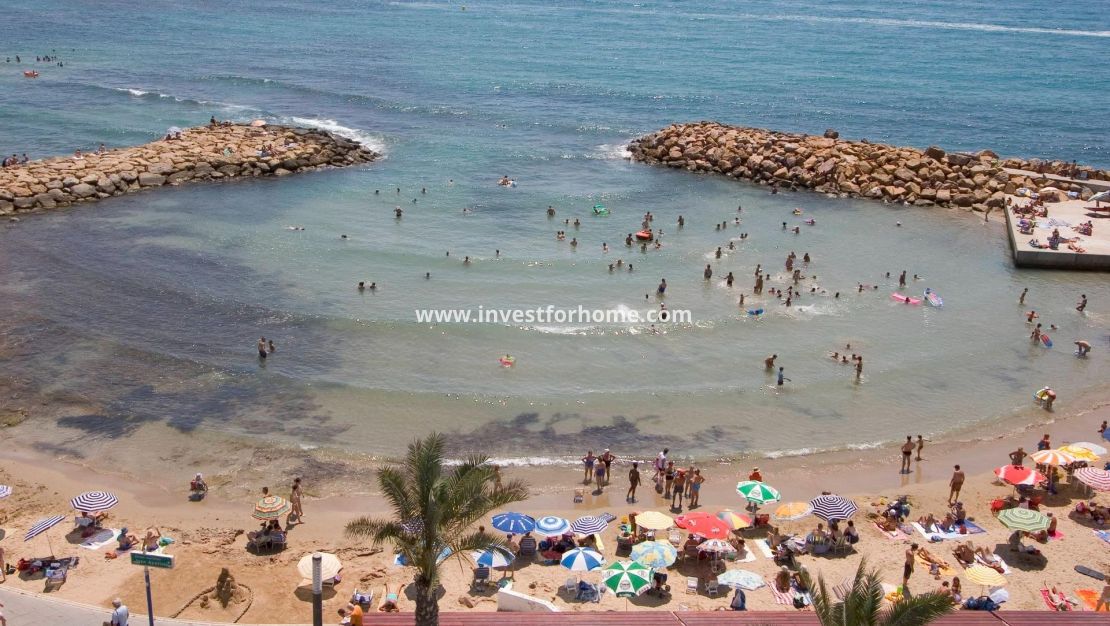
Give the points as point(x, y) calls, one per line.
point(749, 556)
point(764, 547)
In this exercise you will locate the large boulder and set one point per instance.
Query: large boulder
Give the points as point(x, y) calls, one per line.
point(934, 152)
point(150, 179)
point(831, 134)
point(83, 190)
point(958, 160)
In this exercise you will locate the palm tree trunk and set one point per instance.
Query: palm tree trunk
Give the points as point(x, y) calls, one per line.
point(427, 606)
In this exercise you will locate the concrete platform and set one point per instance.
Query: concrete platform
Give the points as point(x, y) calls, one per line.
point(1097, 246)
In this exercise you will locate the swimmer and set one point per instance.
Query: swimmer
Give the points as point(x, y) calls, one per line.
point(681, 221)
point(708, 273)
point(467, 210)
point(662, 288)
point(373, 286)
point(717, 227)
point(397, 212)
point(663, 312)
point(630, 267)
point(732, 245)
point(423, 190)
point(343, 236)
point(797, 230)
point(835, 356)
point(361, 285)
point(729, 279)
point(843, 360)
point(427, 275)
point(1029, 317)
point(550, 211)
point(611, 269)
point(741, 303)
point(784, 225)
point(628, 240)
point(466, 260)
point(658, 244)
point(577, 222)
point(497, 253)
point(1021, 298)
point(574, 242)
point(718, 252)
point(604, 247)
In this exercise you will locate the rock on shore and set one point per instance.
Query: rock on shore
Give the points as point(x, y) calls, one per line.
point(849, 168)
point(200, 154)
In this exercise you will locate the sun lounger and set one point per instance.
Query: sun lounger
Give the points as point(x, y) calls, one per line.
point(571, 585)
point(1103, 535)
point(481, 578)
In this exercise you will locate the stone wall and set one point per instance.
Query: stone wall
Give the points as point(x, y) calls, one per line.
point(830, 165)
point(200, 154)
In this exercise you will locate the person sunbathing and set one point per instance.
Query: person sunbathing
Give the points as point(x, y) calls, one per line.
point(125, 540)
point(948, 524)
point(964, 553)
point(799, 582)
point(389, 600)
point(782, 580)
point(1043, 535)
point(150, 542)
point(1058, 599)
point(957, 590)
point(930, 559)
point(927, 521)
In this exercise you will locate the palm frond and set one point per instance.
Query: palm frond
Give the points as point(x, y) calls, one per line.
point(918, 610)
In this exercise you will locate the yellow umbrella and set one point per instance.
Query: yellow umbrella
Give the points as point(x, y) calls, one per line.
point(329, 567)
point(793, 510)
point(982, 575)
point(1052, 457)
point(654, 520)
point(1083, 454)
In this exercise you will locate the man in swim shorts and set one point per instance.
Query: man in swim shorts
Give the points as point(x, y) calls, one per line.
point(955, 484)
point(907, 452)
point(589, 461)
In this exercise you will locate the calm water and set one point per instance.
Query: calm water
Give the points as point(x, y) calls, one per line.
point(150, 305)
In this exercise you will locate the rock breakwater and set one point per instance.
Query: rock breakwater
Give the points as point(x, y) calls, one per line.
point(828, 164)
point(196, 154)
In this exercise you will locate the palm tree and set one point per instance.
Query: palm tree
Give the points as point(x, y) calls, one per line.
point(434, 508)
point(863, 604)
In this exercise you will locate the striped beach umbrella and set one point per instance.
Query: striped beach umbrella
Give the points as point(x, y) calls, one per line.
point(757, 492)
point(654, 520)
point(703, 525)
point(516, 523)
point(271, 507)
point(588, 525)
point(741, 578)
point(5, 491)
point(94, 501)
point(792, 511)
point(829, 507)
point(1083, 451)
point(552, 526)
point(1052, 457)
point(1017, 475)
point(655, 554)
point(582, 560)
point(735, 521)
point(1026, 520)
point(626, 579)
point(1093, 477)
point(41, 527)
point(494, 557)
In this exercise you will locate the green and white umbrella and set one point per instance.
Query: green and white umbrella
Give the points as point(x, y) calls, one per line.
point(626, 579)
point(1027, 520)
point(757, 492)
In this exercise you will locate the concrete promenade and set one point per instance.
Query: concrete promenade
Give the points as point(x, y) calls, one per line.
point(1072, 212)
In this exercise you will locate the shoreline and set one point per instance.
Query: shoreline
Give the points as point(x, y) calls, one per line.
point(198, 154)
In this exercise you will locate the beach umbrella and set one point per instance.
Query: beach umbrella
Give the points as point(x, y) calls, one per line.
point(329, 567)
point(715, 545)
point(1093, 448)
point(1017, 475)
point(829, 507)
point(655, 554)
point(270, 508)
point(1052, 457)
point(626, 579)
point(792, 511)
point(741, 578)
point(494, 557)
point(94, 501)
point(582, 560)
point(1083, 452)
point(516, 523)
point(1093, 477)
point(757, 492)
point(1027, 520)
point(735, 521)
point(41, 527)
point(1102, 196)
point(704, 525)
point(983, 575)
point(654, 520)
point(588, 525)
point(552, 526)
point(5, 491)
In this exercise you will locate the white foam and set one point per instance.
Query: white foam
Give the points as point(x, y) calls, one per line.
point(375, 143)
point(136, 92)
point(613, 151)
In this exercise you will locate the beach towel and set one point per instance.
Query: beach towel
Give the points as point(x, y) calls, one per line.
point(608, 517)
point(999, 560)
point(945, 571)
point(1047, 602)
point(933, 531)
point(1090, 599)
point(101, 539)
point(786, 598)
point(896, 535)
point(749, 556)
point(1103, 535)
point(764, 547)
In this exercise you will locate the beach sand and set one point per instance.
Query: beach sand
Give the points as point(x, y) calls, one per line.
point(210, 534)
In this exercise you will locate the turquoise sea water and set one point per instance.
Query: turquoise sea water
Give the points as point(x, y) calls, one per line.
point(149, 305)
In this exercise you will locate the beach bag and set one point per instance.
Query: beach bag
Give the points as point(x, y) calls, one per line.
point(799, 602)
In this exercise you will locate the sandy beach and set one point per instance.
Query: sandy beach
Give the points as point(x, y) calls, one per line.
point(210, 534)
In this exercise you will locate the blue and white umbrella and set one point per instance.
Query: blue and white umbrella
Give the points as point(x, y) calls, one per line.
point(582, 560)
point(42, 526)
point(589, 525)
point(516, 523)
point(829, 507)
point(552, 526)
point(5, 491)
point(494, 557)
point(94, 501)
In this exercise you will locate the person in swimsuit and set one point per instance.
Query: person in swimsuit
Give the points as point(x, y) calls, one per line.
point(679, 489)
point(295, 500)
point(907, 454)
point(588, 461)
point(668, 479)
point(695, 488)
point(633, 482)
point(262, 348)
point(955, 484)
point(607, 459)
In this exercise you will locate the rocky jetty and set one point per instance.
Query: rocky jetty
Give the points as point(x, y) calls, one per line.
point(828, 164)
point(197, 154)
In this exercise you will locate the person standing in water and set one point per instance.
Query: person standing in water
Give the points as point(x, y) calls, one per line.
point(769, 362)
point(708, 273)
point(920, 446)
point(262, 347)
point(907, 452)
point(1024, 292)
point(781, 378)
point(662, 288)
point(1082, 303)
point(902, 280)
point(633, 482)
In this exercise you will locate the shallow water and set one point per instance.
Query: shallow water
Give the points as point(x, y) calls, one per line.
point(149, 306)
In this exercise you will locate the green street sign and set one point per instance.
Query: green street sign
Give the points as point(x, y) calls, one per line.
point(149, 559)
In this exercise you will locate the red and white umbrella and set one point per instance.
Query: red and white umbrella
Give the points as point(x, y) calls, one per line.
point(1017, 475)
point(704, 525)
point(1093, 477)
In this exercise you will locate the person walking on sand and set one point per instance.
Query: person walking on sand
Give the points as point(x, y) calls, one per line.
point(907, 451)
point(695, 488)
point(633, 482)
point(607, 459)
point(1021, 298)
point(588, 461)
point(955, 484)
point(660, 466)
point(296, 512)
point(907, 569)
point(920, 446)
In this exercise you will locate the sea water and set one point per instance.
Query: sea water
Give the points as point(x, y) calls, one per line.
point(149, 306)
